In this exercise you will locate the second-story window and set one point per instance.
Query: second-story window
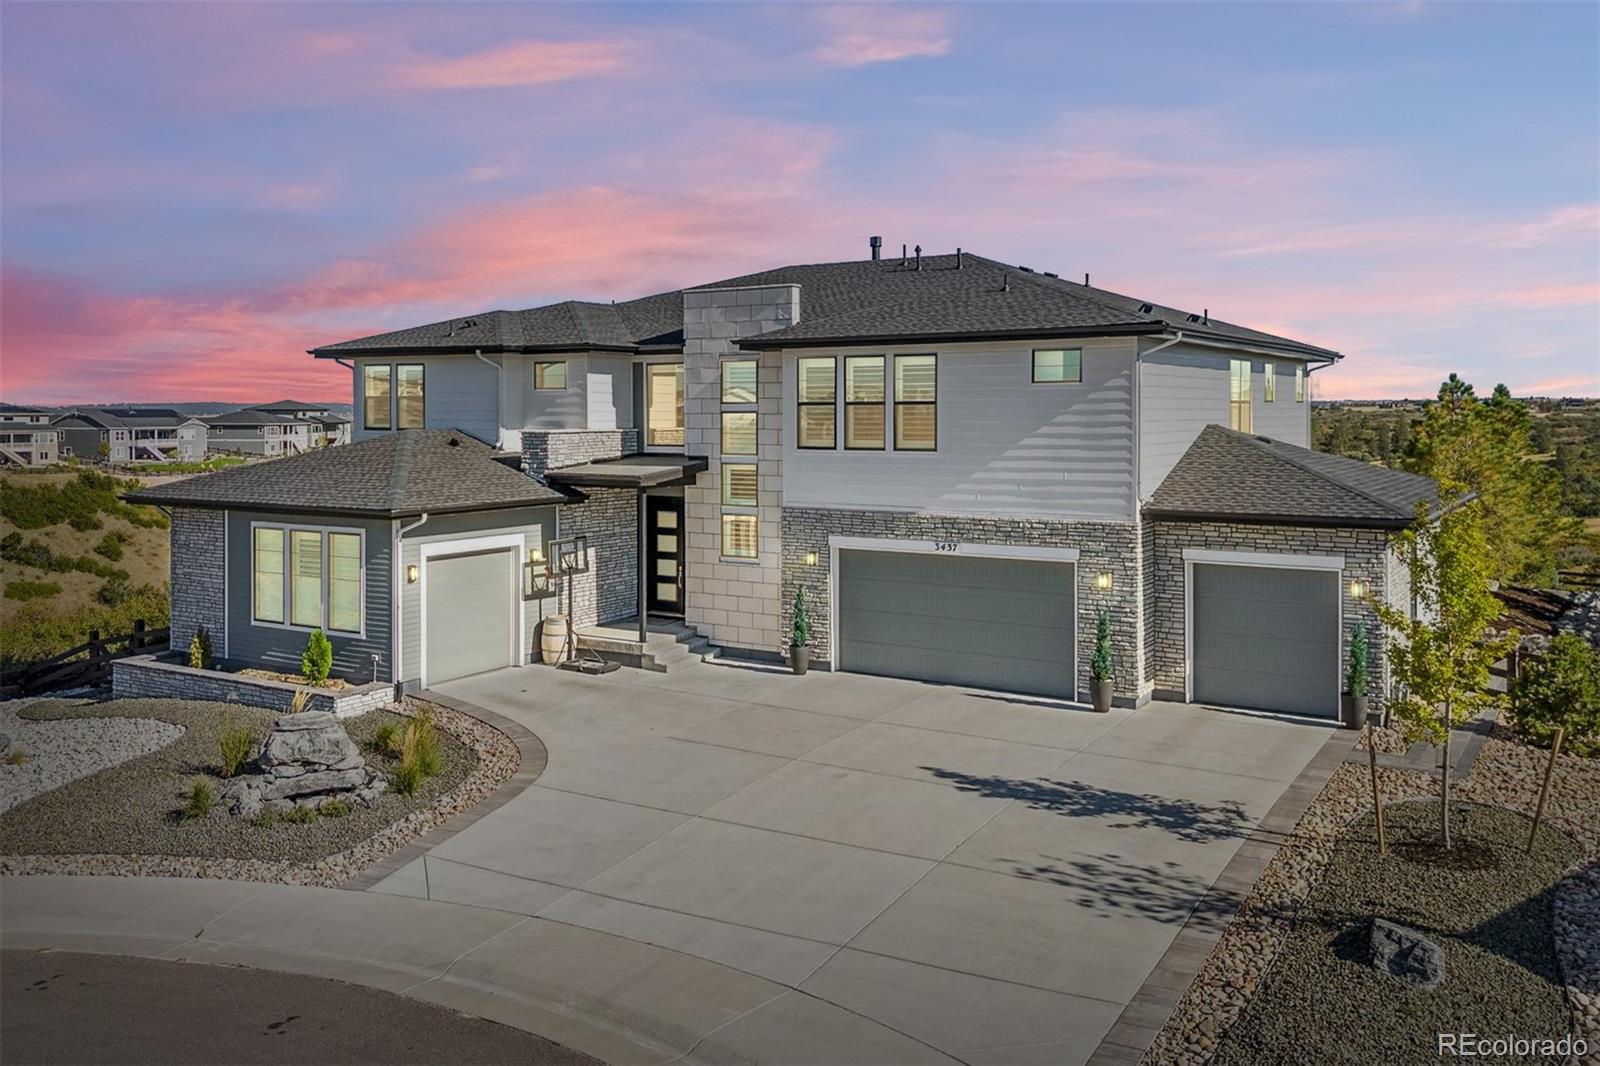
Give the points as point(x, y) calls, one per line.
point(1239, 395)
point(549, 375)
point(663, 405)
point(1299, 383)
point(409, 402)
point(816, 390)
point(739, 381)
point(864, 402)
point(916, 407)
point(1269, 383)
point(377, 388)
point(741, 526)
point(1057, 365)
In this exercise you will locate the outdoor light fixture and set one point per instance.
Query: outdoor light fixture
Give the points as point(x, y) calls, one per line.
point(1358, 591)
point(539, 583)
point(811, 558)
point(411, 573)
point(1102, 580)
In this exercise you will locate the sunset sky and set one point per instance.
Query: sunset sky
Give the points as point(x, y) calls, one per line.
point(192, 195)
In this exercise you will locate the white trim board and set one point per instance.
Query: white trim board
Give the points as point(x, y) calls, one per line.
point(513, 544)
point(1279, 559)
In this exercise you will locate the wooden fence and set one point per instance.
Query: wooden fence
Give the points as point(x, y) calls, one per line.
point(87, 664)
point(1579, 579)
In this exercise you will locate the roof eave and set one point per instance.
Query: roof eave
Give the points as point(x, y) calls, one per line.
point(468, 349)
point(1155, 514)
point(341, 512)
point(761, 342)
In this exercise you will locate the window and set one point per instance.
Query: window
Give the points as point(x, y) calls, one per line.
point(408, 396)
point(864, 402)
point(549, 375)
point(1056, 365)
point(817, 393)
point(305, 577)
point(739, 484)
point(268, 567)
point(1299, 383)
point(663, 408)
point(739, 381)
point(344, 582)
point(738, 433)
point(739, 536)
point(1239, 395)
point(376, 387)
point(1269, 383)
point(915, 402)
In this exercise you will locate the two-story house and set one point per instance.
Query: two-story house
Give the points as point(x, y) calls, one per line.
point(960, 463)
point(132, 434)
point(324, 428)
point(26, 436)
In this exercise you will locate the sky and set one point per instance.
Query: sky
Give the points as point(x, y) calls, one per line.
point(191, 195)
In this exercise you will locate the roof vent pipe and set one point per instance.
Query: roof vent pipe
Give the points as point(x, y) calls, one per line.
point(903, 255)
point(1086, 279)
point(919, 256)
point(1205, 315)
point(876, 244)
point(1005, 281)
point(959, 262)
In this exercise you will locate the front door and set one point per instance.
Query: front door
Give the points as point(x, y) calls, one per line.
point(665, 555)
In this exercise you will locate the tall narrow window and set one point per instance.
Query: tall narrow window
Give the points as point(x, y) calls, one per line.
point(817, 393)
point(663, 406)
point(549, 375)
point(267, 566)
point(864, 402)
point(738, 433)
point(739, 381)
point(1269, 383)
point(1057, 365)
point(1299, 383)
point(344, 582)
point(916, 410)
point(408, 396)
point(305, 577)
point(376, 389)
point(739, 484)
point(739, 536)
point(1239, 395)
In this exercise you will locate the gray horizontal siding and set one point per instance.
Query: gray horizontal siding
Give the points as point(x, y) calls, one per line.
point(459, 392)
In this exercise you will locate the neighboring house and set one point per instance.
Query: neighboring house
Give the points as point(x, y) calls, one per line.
point(959, 462)
point(132, 434)
point(26, 437)
point(326, 429)
point(283, 428)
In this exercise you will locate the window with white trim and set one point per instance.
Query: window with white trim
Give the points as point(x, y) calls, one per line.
point(864, 399)
point(739, 536)
point(408, 396)
point(1057, 366)
point(816, 392)
point(1239, 395)
point(740, 530)
point(549, 375)
point(916, 408)
point(377, 390)
point(307, 578)
point(1269, 382)
point(1299, 383)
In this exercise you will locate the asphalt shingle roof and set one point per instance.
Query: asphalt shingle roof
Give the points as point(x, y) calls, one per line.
point(862, 300)
point(1234, 476)
point(394, 476)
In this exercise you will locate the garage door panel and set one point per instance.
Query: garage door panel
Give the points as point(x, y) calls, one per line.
point(990, 623)
point(1266, 638)
point(469, 614)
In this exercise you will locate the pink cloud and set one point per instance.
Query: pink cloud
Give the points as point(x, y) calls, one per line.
point(859, 34)
point(519, 63)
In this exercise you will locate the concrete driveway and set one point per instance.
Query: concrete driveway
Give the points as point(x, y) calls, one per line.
point(988, 876)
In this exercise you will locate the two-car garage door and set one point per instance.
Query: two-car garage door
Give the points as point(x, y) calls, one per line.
point(1265, 638)
point(1000, 623)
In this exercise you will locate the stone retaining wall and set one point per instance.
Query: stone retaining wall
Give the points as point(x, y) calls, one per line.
point(149, 677)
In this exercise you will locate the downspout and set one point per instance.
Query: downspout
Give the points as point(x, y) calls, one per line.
point(399, 597)
point(1309, 369)
point(499, 393)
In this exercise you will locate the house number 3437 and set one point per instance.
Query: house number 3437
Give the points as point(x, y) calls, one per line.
point(944, 545)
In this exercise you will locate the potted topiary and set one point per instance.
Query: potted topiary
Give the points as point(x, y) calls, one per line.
point(799, 649)
point(1353, 709)
point(1100, 664)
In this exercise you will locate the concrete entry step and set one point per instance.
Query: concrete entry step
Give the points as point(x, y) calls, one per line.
point(668, 643)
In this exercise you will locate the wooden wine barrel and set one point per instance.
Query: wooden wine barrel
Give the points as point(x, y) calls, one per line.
point(552, 638)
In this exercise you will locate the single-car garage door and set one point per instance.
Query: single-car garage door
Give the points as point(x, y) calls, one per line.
point(470, 601)
point(991, 623)
point(1266, 638)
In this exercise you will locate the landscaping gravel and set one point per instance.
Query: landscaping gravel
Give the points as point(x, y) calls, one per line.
point(123, 821)
point(51, 753)
point(1487, 903)
point(1505, 774)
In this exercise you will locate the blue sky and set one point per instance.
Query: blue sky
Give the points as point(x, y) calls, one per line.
point(191, 189)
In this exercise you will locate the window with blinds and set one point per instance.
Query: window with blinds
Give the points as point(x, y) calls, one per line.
point(916, 409)
point(307, 578)
point(864, 399)
point(739, 536)
point(1239, 395)
point(663, 415)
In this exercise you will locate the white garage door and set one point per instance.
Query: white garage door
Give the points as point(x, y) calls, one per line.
point(471, 602)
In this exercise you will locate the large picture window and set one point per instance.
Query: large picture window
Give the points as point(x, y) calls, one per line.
point(864, 402)
point(817, 394)
point(916, 407)
point(377, 387)
point(408, 396)
point(1239, 395)
point(663, 407)
point(307, 578)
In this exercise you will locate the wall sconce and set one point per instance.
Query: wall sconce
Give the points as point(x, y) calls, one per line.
point(1358, 590)
point(539, 580)
point(811, 558)
point(411, 573)
point(1103, 580)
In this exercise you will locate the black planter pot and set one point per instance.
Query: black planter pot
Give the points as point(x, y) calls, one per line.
point(1100, 694)
point(1352, 711)
point(799, 658)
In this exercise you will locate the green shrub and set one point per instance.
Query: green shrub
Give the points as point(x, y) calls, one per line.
point(201, 801)
point(1100, 662)
point(317, 659)
point(111, 544)
point(16, 757)
point(113, 593)
point(420, 745)
point(200, 649)
point(386, 739)
point(38, 555)
point(1356, 682)
point(300, 815)
point(1560, 688)
point(334, 809)
point(39, 629)
point(31, 590)
point(83, 523)
point(802, 626)
point(266, 819)
point(407, 777)
point(80, 503)
point(235, 743)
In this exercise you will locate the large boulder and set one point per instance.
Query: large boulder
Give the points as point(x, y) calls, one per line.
point(310, 739)
point(1407, 954)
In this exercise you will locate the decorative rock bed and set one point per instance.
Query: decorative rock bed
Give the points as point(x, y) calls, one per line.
point(50, 754)
point(164, 677)
point(1507, 774)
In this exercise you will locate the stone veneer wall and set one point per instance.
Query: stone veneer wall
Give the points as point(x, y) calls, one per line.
point(1112, 547)
point(734, 602)
point(1365, 554)
point(608, 517)
point(199, 575)
point(150, 677)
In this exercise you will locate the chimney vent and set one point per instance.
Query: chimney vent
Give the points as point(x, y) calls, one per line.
point(876, 244)
point(919, 256)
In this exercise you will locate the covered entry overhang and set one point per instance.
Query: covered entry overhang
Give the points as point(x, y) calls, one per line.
point(640, 473)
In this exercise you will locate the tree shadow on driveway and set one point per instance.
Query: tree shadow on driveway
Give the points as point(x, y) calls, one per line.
point(1161, 891)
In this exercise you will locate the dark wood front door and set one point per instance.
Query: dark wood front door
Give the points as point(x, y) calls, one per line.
point(665, 554)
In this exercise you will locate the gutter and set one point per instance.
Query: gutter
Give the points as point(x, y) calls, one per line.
point(499, 391)
point(398, 636)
